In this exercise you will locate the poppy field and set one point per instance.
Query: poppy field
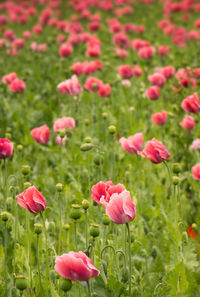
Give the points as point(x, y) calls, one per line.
point(99, 148)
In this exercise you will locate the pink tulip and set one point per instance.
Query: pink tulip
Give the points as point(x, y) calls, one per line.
point(6, 148)
point(101, 192)
point(120, 208)
point(132, 144)
point(155, 151)
point(153, 92)
point(159, 118)
point(188, 122)
point(32, 200)
point(17, 85)
point(75, 266)
point(41, 134)
point(64, 123)
point(191, 103)
point(70, 86)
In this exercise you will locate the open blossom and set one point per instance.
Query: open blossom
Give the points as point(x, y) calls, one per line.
point(125, 71)
point(192, 233)
point(155, 151)
point(75, 266)
point(132, 144)
point(163, 50)
point(17, 85)
point(195, 145)
point(93, 84)
point(167, 71)
point(157, 79)
point(105, 90)
point(41, 134)
point(64, 123)
point(159, 118)
point(101, 192)
point(153, 92)
point(120, 208)
point(70, 86)
point(32, 200)
point(65, 50)
point(6, 148)
point(146, 52)
point(196, 171)
point(137, 71)
point(191, 103)
point(8, 78)
point(188, 122)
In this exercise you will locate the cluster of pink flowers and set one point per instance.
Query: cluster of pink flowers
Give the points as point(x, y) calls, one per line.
point(70, 86)
point(86, 67)
point(93, 84)
point(15, 84)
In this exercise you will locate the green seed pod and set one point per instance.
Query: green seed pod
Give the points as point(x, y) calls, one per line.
point(88, 139)
point(59, 187)
point(66, 227)
point(112, 129)
point(26, 169)
point(194, 226)
point(65, 284)
point(9, 202)
point(5, 216)
point(86, 147)
point(94, 230)
point(20, 148)
point(98, 160)
point(62, 133)
point(27, 185)
point(154, 252)
point(104, 115)
point(75, 212)
point(175, 180)
point(106, 220)
point(51, 227)
point(176, 168)
point(87, 122)
point(85, 204)
point(21, 282)
point(124, 275)
point(38, 228)
point(8, 135)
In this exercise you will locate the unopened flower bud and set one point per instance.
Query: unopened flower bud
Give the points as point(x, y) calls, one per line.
point(85, 204)
point(106, 220)
point(175, 180)
point(20, 148)
point(86, 121)
point(65, 284)
point(86, 147)
point(104, 115)
point(176, 168)
point(112, 129)
point(26, 169)
point(66, 227)
point(94, 230)
point(75, 212)
point(8, 135)
point(98, 160)
point(194, 226)
point(4, 216)
point(38, 228)
point(87, 139)
point(59, 187)
point(27, 185)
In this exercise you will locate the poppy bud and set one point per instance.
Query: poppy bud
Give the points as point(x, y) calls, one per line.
point(88, 139)
point(38, 228)
point(94, 230)
point(106, 220)
point(65, 284)
point(27, 185)
point(21, 282)
point(112, 129)
point(104, 115)
point(59, 187)
point(9, 202)
point(66, 227)
point(20, 147)
point(4, 216)
point(8, 129)
point(86, 147)
point(124, 275)
point(98, 160)
point(85, 204)
point(175, 180)
point(25, 169)
point(75, 212)
point(86, 121)
point(194, 226)
point(176, 168)
point(8, 135)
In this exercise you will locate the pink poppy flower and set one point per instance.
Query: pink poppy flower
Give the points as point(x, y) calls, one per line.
point(196, 171)
point(155, 151)
point(6, 148)
point(70, 86)
point(64, 123)
point(32, 200)
point(159, 118)
point(132, 144)
point(41, 134)
point(188, 122)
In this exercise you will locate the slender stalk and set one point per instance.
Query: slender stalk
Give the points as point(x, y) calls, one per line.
point(5, 181)
point(5, 258)
point(75, 234)
point(60, 227)
point(129, 253)
point(46, 252)
point(38, 262)
point(89, 289)
point(29, 248)
point(86, 229)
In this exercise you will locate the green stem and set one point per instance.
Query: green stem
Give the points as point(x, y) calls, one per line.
point(29, 248)
point(86, 229)
point(5, 181)
point(60, 227)
point(129, 252)
point(89, 289)
point(5, 258)
point(38, 263)
point(46, 251)
point(75, 234)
